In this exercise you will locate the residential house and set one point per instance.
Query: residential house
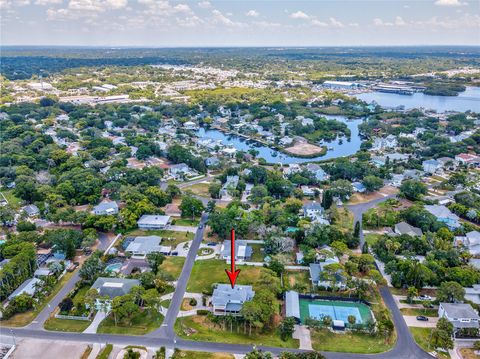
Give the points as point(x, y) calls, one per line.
point(153, 221)
point(106, 208)
point(315, 212)
point(243, 252)
point(358, 187)
point(31, 210)
point(431, 166)
point(396, 180)
point(470, 241)
point(380, 143)
point(468, 159)
point(319, 278)
point(143, 245)
point(317, 171)
point(405, 228)
point(212, 162)
point(307, 191)
point(285, 141)
point(228, 187)
point(179, 171)
point(111, 288)
point(461, 315)
point(444, 215)
point(190, 125)
point(29, 287)
point(229, 301)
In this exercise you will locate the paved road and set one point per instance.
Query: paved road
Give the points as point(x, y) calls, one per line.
point(50, 307)
point(166, 330)
point(359, 209)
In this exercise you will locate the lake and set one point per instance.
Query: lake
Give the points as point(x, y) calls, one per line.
point(467, 100)
point(340, 147)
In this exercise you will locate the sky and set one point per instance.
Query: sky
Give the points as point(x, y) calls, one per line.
point(165, 23)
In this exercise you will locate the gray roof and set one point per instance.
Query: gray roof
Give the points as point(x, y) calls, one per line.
point(315, 206)
point(459, 311)
point(104, 206)
point(316, 270)
point(224, 294)
point(441, 212)
point(292, 304)
point(27, 287)
point(114, 287)
point(405, 228)
point(227, 247)
point(31, 209)
point(145, 244)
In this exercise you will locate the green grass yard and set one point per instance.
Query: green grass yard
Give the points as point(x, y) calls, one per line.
point(325, 340)
point(205, 273)
point(173, 265)
point(66, 325)
point(185, 354)
point(429, 312)
point(186, 222)
point(142, 323)
point(257, 253)
point(105, 353)
point(422, 338)
point(206, 331)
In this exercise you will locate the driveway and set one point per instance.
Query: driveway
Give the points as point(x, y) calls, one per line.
point(302, 333)
point(413, 322)
point(92, 328)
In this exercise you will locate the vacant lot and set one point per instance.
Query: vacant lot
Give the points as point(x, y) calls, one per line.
point(325, 340)
point(43, 349)
point(205, 273)
point(173, 266)
point(169, 238)
point(142, 323)
point(66, 325)
point(200, 189)
point(205, 330)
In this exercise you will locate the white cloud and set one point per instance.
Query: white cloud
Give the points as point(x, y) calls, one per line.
point(449, 3)
point(204, 4)
point(399, 21)
point(48, 2)
point(299, 15)
point(319, 23)
point(219, 18)
point(335, 23)
point(182, 8)
point(252, 13)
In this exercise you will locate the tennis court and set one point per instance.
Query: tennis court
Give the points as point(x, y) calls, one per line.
point(337, 310)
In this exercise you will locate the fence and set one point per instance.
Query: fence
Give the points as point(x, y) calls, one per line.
point(72, 317)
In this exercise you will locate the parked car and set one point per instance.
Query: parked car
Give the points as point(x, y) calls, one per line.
point(200, 226)
point(211, 244)
point(174, 253)
point(424, 297)
point(422, 318)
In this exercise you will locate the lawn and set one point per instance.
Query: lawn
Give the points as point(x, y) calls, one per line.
point(165, 303)
point(169, 238)
point(142, 323)
point(257, 253)
point(206, 331)
point(297, 280)
point(325, 340)
point(66, 325)
point(429, 312)
point(422, 337)
point(343, 219)
point(185, 354)
point(104, 354)
point(371, 238)
point(173, 266)
point(205, 273)
point(186, 222)
point(200, 189)
point(22, 319)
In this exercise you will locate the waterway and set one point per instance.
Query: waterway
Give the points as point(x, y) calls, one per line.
point(340, 147)
point(467, 100)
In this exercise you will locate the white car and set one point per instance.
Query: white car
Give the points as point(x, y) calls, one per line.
point(424, 297)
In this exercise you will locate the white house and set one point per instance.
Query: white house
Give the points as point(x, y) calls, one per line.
point(143, 245)
point(179, 171)
point(461, 315)
point(29, 287)
point(317, 171)
point(229, 301)
point(470, 241)
point(431, 166)
point(243, 252)
point(153, 221)
point(106, 208)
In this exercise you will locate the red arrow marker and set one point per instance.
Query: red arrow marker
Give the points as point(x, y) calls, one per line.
point(232, 274)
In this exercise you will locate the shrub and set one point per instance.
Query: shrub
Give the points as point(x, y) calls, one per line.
point(193, 302)
point(203, 312)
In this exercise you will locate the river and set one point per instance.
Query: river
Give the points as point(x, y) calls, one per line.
point(467, 100)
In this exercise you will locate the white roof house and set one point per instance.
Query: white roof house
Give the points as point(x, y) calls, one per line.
point(153, 221)
point(143, 245)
